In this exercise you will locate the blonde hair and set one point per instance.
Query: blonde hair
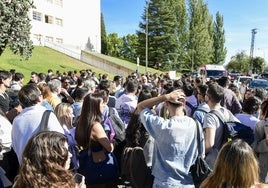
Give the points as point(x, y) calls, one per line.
point(63, 112)
point(236, 167)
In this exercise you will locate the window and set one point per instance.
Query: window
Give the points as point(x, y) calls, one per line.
point(48, 19)
point(49, 39)
point(58, 21)
point(58, 2)
point(37, 16)
point(59, 40)
point(37, 36)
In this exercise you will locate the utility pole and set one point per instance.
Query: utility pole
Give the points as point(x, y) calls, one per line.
point(146, 38)
point(253, 33)
point(138, 64)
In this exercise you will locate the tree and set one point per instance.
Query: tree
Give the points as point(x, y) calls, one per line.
point(114, 44)
point(258, 65)
point(129, 46)
point(15, 27)
point(200, 41)
point(166, 25)
point(103, 37)
point(239, 63)
point(219, 41)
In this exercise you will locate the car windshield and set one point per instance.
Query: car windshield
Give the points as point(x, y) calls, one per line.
point(216, 73)
point(264, 75)
point(241, 79)
point(259, 84)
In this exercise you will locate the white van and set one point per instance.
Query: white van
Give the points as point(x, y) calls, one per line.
point(208, 71)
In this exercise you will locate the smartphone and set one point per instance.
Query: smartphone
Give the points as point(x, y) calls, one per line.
point(78, 178)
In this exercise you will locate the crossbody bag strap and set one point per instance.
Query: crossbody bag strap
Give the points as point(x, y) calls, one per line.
point(198, 137)
point(44, 120)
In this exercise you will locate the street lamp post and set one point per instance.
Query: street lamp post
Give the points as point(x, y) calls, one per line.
point(253, 32)
point(146, 38)
point(138, 64)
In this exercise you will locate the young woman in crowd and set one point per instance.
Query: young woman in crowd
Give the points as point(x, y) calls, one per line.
point(250, 108)
point(91, 136)
point(64, 113)
point(136, 134)
point(235, 167)
point(45, 162)
point(45, 90)
point(247, 94)
point(260, 144)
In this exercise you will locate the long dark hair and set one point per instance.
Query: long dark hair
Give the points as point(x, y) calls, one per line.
point(90, 113)
point(136, 135)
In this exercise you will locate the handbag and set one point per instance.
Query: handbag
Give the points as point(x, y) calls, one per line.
point(200, 169)
point(98, 172)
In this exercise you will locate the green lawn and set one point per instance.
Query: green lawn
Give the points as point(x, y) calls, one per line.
point(44, 58)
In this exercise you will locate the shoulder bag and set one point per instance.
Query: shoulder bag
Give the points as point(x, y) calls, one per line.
point(200, 169)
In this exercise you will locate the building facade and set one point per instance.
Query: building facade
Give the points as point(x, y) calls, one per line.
point(73, 23)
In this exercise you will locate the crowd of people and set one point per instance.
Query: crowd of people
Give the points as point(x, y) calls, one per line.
point(158, 114)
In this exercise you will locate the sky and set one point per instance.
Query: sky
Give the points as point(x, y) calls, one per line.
point(240, 17)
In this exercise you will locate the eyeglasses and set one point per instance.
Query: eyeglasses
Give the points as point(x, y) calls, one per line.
point(67, 82)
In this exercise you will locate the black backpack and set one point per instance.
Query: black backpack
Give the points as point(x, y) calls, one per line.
point(134, 169)
point(118, 126)
point(234, 130)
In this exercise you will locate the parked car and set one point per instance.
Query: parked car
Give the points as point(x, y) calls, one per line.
point(233, 76)
point(258, 83)
point(264, 75)
point(241, 79)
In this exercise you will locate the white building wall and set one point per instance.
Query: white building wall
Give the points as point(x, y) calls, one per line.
point(81, 20)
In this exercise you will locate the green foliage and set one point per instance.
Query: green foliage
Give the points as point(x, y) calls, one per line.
point(114, 45)
point(218, 41)
point(15, 27)
point(166, 33)
point(200, 41)
point(239, 63)
point(129, 46)
point(178, 38)
point(104, 44)
point(258, 65)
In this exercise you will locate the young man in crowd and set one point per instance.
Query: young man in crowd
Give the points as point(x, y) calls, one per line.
point(27, 123)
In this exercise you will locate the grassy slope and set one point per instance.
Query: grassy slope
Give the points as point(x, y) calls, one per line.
point(44, 58)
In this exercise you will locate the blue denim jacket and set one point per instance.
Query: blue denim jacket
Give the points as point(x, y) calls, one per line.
point(175, 148)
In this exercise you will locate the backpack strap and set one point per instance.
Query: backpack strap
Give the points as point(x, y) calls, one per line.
point(111, 111)
point(219, 115)
point(190, 106)
point(223, 120)
point(44, 120)
point(198, 135)
point(202, 109)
